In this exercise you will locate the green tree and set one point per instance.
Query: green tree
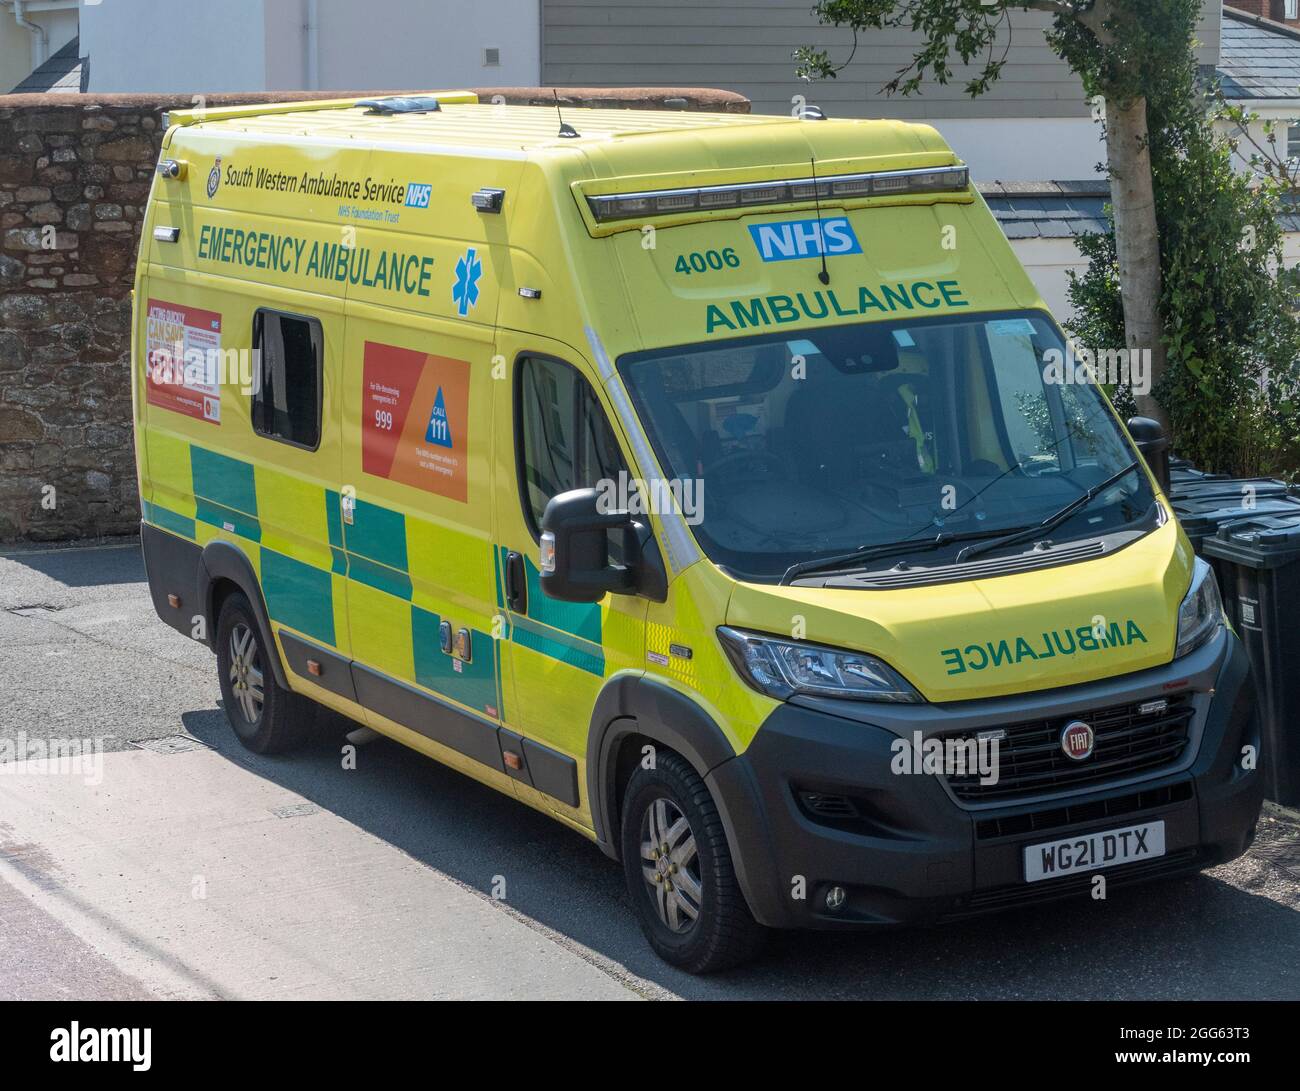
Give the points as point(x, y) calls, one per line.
point(1114, 46)
point(1231, 381)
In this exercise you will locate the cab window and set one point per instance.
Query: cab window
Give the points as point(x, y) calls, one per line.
point(886, 433)
point(287, 379)
point(565, 439)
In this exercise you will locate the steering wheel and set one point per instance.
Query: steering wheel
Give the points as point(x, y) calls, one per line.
point(738, 457)
point(1039, 467)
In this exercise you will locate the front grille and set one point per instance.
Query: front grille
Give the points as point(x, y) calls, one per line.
point(1055, 818)
point(1127, 741)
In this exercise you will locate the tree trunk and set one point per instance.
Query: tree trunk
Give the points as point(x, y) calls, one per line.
point(1137, 239)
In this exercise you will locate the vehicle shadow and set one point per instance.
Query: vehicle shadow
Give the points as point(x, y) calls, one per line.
point(1193, 938)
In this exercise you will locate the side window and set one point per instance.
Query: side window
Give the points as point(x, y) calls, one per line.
point(599, 457)
point(1022, 397)
point(287, 386)
point(546, 395)
point(565, 439)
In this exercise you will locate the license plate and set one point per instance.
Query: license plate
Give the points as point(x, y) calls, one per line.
point(1092, 851)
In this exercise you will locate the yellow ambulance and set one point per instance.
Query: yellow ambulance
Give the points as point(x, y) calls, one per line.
point(697, 480)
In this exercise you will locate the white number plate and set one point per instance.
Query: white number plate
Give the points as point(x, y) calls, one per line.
point(1092, 851)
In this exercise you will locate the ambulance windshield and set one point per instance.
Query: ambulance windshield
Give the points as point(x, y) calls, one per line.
point(784, 449)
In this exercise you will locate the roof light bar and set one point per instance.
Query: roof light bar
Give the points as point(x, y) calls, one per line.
point(890, 183)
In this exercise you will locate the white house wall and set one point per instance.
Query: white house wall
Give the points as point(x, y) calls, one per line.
point(261, 45)
point(1024, 149)
point(174, 45)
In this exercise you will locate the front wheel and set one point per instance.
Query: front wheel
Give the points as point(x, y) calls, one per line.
point(267, 718)
point(680, 873)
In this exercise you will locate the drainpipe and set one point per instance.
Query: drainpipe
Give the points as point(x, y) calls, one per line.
point(311, 30)
point(36, 30)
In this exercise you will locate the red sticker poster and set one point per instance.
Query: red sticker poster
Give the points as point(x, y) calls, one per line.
point(415, 419)
point(182, 347)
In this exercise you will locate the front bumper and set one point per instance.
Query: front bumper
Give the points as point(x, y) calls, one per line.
point(910, 852)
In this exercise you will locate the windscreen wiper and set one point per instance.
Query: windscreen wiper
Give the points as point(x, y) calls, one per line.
point(1052, 521)
point(870, 553)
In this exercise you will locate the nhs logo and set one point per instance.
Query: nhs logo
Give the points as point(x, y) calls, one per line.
point(788, 239)
point(418, 194)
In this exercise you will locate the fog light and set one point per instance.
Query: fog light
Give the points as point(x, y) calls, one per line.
point(835, 898)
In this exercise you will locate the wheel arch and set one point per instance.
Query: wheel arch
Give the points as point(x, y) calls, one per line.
point(222, 565)
point(630, 709)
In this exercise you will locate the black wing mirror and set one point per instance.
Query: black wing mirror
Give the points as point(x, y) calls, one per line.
point(576, 531)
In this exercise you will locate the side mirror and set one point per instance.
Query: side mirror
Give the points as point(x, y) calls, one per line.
point(1154, 445)
point(576, 535)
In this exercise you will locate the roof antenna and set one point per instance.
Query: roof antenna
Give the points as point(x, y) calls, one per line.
point(823, 276)
point(565, 130)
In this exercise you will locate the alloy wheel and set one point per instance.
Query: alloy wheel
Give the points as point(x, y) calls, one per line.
point(671, 864)
point(246, 672)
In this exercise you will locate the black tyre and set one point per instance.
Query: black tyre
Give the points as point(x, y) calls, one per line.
point(267, 718)
point(679, 870)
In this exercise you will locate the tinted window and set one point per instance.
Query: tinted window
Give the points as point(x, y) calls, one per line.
point(825, 441)
point(546, 395)
point(287, 390)
point(565, 438)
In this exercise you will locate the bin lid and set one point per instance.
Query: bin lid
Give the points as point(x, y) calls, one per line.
point(1263, 540)
point(1202, 515)
point(1202, 485)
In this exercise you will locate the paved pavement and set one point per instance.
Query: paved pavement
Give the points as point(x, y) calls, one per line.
point(176, 864)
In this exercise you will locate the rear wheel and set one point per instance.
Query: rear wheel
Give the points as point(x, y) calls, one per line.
point(680, 873)
point(267, 718)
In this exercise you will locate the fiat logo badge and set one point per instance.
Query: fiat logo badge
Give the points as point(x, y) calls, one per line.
point(1077, 740)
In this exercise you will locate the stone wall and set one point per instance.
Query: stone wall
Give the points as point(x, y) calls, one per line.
point(75, 172)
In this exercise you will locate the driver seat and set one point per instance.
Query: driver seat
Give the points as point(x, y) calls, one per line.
point(826, 420)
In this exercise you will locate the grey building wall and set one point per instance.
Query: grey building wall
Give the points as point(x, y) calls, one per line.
point(746, 46)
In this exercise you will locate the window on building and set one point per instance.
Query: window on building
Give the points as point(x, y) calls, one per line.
point(287, 384)
point(1289, 7)
point(1292, 138)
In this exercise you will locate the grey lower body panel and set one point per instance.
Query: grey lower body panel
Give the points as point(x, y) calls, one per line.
point(473, 736)
point(172, 566)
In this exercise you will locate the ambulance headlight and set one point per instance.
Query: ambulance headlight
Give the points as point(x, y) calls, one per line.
point(1201, 614)
point(782, 668)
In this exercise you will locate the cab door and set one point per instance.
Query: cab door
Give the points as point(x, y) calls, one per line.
point(554, 432)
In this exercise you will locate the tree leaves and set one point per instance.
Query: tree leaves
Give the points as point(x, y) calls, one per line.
point(1232, 380)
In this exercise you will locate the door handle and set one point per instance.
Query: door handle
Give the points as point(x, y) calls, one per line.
point(516, 583)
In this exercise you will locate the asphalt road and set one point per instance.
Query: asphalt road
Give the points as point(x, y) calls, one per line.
point(193, 868)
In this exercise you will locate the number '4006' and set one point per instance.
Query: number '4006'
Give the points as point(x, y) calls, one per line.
point(702, 262)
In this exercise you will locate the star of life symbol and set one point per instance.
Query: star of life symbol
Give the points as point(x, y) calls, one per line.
point(468, 270)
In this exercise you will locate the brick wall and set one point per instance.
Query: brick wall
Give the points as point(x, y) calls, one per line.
point(1259, 8)
point(1274, 10)
point(75, 172)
